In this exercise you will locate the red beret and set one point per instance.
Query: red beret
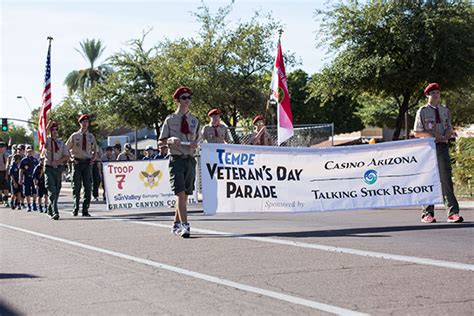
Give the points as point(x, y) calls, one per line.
point(180, 91)
point(214, 112)
point(432, 86)
point(83, 117)
point(258, 118)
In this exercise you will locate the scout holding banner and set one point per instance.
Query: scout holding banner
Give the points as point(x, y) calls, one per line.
point(138, 184)
point(276, 179)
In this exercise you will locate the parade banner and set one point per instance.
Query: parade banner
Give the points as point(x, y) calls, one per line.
point(139, 184)
point(240, 178)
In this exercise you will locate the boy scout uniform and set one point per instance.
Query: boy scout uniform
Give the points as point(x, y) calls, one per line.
point(82, 147)
point(182, 163)
point(54, 150)
point(215, 134)
point(426, 121)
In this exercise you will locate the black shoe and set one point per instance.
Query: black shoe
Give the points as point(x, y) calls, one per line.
point(74, 213)
point(86, 215)
point(55, 217)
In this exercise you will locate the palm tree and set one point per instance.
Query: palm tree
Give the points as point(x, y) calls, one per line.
point(85, 78)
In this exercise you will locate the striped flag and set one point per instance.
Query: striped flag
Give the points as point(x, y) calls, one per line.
point(46, 104)
point(281, 96)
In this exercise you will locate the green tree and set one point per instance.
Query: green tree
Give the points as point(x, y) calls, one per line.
point(391, 49)
point(68, 111)
point(340, 110)
point(130, 96)
point(225, 66)
point(79, 80)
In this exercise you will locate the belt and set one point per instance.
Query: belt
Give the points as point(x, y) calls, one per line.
point(181, 156)
point(83, 160)
point(49, 166)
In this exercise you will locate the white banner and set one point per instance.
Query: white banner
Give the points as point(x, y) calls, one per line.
point(139, 184)
point(279, 179)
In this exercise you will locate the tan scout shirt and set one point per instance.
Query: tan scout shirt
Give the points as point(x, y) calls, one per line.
point(264, 139)
point(425, 120)
point(209, 134)
point(50, 154)
point(172, 128)
point(74, 144)
point(126, 156)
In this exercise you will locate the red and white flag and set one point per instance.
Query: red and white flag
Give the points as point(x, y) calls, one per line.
point(46, 104)
point(280, 94)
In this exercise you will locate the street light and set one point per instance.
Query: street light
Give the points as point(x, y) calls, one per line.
point(31, 111)
point(26, 101)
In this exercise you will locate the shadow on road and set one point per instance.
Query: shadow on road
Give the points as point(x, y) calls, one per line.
point(6, 310)
point(359, 232)
point(17, 276)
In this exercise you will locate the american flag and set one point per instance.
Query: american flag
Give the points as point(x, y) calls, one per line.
point(46, 105)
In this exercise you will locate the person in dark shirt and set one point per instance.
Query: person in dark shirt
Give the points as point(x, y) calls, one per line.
point(27, 166)
point(149, 153)
point(38, 179)
point(16, 188)
point(163, 153)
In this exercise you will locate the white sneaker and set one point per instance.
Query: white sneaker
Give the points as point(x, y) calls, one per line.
point(185, 230)
point(175, 228)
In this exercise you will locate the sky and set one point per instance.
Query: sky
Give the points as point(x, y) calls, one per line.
point(25, 25)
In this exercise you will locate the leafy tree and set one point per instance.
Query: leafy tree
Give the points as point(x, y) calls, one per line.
point(391, 49)
point(68, 111)
point(341, 110)
point(460, 102)
point(79, 80)
point(130, 95)
point(224, 66)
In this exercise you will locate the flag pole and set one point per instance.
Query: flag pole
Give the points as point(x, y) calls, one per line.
point(46, 100)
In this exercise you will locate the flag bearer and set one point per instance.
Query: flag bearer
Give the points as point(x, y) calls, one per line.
point(56, 154)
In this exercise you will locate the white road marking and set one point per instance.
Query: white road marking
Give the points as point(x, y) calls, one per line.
point(363, 253)
point(209, 278)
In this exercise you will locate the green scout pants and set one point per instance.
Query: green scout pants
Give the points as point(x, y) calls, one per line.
point(95, 180)
point(52, 178)
point(445, 174)
point(82, 175)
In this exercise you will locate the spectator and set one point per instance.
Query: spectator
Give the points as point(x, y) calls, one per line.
point(126, 154)
point(149, 153)
point(163, 152)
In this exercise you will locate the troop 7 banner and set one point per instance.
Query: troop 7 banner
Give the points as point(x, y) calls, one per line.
point(239, 178)
point(139, 184)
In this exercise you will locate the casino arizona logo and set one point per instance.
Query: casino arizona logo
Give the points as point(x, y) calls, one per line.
point(333, 165)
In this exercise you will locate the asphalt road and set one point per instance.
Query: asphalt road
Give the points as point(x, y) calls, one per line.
point(377, 262)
